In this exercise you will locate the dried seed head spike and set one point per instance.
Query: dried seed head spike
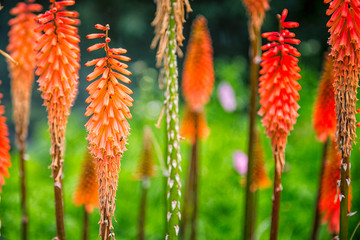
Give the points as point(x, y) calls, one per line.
point(278, 84)
point(324, 120)
point(345, 49)
point(161, 23)
point(57, 64)
point(87, 190)
point(22, 37)
point(329, 203)
point(198, 74)
point(108, 128)
point(4, 147)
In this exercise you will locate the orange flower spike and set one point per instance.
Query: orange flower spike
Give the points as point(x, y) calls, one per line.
point(4, 147)
point(278, 83)
point(261, 178)
point(324, 119)
point(108, 109)
point(188, 125)
point(58, 63)
point(87, 190)
point(329, 203)
point(198, 73)
point(21, 48)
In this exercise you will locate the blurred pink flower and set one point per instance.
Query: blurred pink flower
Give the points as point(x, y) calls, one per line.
point(226, 96)
point(240, 160)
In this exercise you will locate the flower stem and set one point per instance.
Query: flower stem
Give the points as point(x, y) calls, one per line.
point(278, 156)
point(57, 167)
point(250, 201)
point(23, 194)
point(194, 172)
point(344, 202)
point(86, 225)
point(315, 230)
point(172, 123)
point(142, 214)
point(191, 190)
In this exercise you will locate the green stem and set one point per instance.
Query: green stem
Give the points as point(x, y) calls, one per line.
point(344, 201)
point(172, 125)
point(317, 210)
point(250, 201)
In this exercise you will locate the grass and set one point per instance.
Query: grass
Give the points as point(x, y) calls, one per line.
point(221, 197)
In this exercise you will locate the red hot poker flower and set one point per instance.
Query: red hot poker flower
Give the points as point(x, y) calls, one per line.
point(278, 83)
point(21, 48)
point(4, 147)
point(58, 65)
point(87, 190)
point(198, 73)
point(108, 128)
point(345, 49)
point(329, 203)
point(324, 119)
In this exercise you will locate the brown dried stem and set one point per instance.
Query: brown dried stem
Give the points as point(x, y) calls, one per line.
point(250, 201)
point(316, 225)
point(279, 163)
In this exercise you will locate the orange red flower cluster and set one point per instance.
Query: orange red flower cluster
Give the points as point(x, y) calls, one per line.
point(197, 80)
point(278, 83)
point(4, 147)
point(324, 120)
point(87, 190)
point(108, 109)
point(198, 73)
point(22, 37)
point(57, 63)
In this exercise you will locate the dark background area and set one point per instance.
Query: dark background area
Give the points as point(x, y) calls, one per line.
point(130, 23)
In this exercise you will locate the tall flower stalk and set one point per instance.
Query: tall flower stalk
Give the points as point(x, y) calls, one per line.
point(57, 64)
point(87, 191)
point(345, 49)
point(256, 10)
point(278, 98)
point(144, 172)
point(108, 128)
point(197, 84)
point(329, 203)
point(168, 24)
point(21, 48)
point(324, 122)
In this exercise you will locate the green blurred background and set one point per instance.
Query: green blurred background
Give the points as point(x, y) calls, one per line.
point(221, 196)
